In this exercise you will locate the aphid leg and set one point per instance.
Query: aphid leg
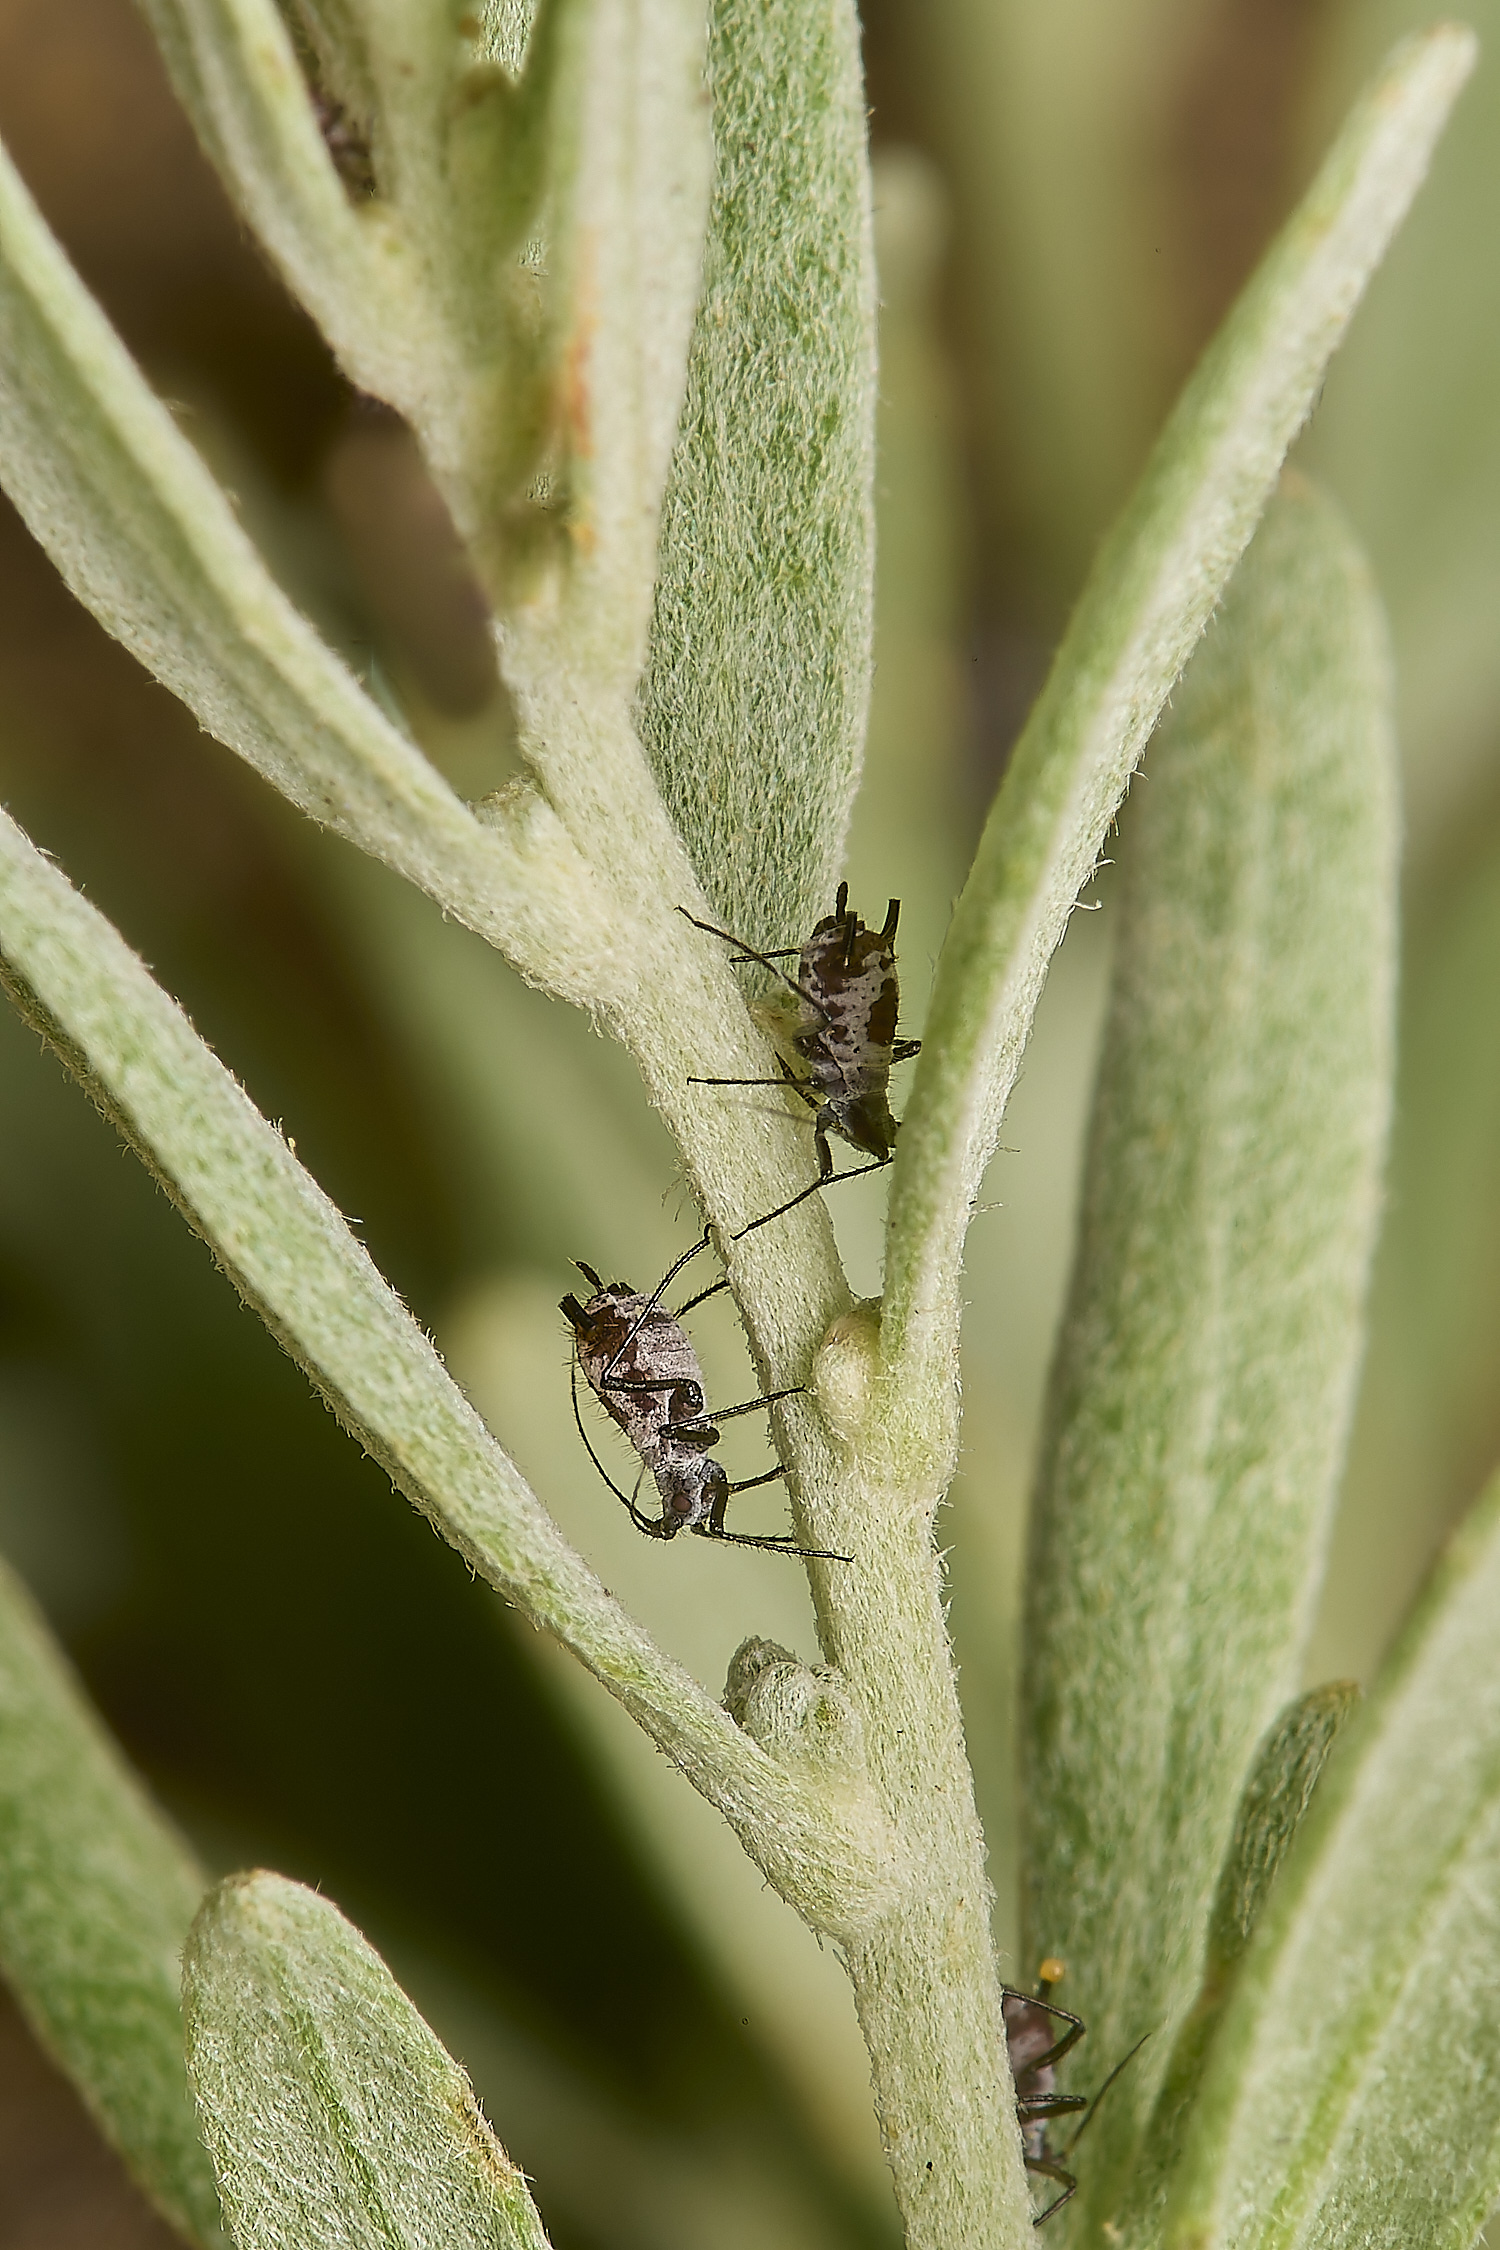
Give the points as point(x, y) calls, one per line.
point(689, 1438)
point(752, 1405)
point(767, 961)
point(1051, 2170)
point(713, 1528)
point(646, 1310)
point(904, 1049)
point(767, 1476)
point(642, 1522)
point(1069, 2039)
point(1033, 2106)
point(825, 1179)
point(788, 1078)
point(770, 1545)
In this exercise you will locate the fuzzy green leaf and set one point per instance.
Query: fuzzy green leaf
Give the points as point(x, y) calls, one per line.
point(414, 266)
point(1152, 590)
point(236, 73)
point(628, 169)
point(146, 538)
point(753, 709)
point(334, 2115)
point(292, 1257)
point(1353, 2092)
point(1206, 1368)
point(97, 1894)
point(1287, 1770)
point(628, 196)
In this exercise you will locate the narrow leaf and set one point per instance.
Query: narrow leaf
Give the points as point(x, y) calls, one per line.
point(1280, 1789)
point(96, 1897)
point(1353, 2093)
point(292, 1257)
point(1287, 1770)
point(1158, 576)
point(334, 2115)
point(629, 195)
point(412, 264)
point(146, 538)
point(1206, 1367)
point(753, 708)
point(236, 73)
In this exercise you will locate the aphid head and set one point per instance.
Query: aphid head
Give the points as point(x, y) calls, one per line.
point(865, 1121)
point(692, 1486)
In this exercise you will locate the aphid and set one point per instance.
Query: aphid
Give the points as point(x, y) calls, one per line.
point(347, 145)
point(1035, 2049)
point(640, 1364)
point(845, 1034)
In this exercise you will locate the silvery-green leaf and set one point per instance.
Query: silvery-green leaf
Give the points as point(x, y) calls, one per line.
point(235, 70)
point(335, 2117)
point(1288, 1767)
point(292, 1257)
point(146, 538)
point(412, 259)
point(1409, 432)
point(97, 1893)
point(1353, 2091)
point(627, 168)
point(1205, 1372)
point(1152, 590)
point(753, 706)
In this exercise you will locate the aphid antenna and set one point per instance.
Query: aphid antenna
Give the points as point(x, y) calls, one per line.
point(1084, 2121)
point(1049, 2169)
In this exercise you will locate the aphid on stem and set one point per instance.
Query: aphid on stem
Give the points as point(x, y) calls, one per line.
point(1035, 2048)
point(845, 1034)
point(638, 1360)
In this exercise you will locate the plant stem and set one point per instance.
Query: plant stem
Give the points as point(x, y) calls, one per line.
point(926, 1983)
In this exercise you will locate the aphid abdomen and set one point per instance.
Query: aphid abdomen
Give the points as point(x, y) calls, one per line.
point(847, 1037)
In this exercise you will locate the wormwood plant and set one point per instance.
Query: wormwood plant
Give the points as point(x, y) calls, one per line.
point(613, 267)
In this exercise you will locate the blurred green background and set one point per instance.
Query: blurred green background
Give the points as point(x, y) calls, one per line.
point(1068, 196)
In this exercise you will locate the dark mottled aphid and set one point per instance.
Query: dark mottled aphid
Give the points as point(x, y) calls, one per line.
point(845, 1034)
point(346, 144)
point(638, 1361)
point(1036, 2047)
